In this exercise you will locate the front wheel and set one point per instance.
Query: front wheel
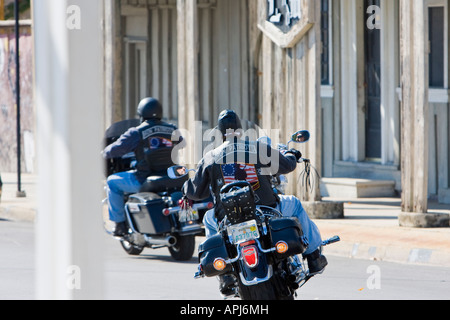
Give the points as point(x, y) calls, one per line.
point(183, 248)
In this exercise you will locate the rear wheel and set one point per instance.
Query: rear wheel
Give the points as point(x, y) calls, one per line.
point(262, 291)
point(183, 248)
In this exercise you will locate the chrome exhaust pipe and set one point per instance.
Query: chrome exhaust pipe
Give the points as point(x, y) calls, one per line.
point(161, 241)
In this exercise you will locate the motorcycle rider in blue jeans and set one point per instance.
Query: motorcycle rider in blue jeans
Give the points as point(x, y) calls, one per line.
point(253, 162)
point(151, 142)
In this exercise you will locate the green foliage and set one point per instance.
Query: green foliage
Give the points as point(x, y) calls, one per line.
point(24, 5)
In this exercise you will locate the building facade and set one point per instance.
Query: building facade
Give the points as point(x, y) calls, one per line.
point(368, 78)
point(8, 104)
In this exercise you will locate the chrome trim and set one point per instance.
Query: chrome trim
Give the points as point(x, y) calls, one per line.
point(269, 208)
point(161, 241)
point(130, 222)
point(256, 280)
point(264, 250)
point(190, 228)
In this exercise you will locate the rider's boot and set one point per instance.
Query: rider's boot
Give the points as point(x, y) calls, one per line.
point(316, 262)
point(227, 284)
point(120, 229)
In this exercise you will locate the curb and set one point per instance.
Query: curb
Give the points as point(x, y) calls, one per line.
point(394, 254)
point(429, 247)
point(16, 213)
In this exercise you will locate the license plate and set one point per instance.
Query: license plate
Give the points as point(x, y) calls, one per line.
point(243, 232)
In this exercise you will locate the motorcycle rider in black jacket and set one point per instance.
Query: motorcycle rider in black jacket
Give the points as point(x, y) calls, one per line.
point(255, 162)
point(151, 142)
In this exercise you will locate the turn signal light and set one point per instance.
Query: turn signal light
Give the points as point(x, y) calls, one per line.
point(166, 212)
point(219, 264)
point(281, 247)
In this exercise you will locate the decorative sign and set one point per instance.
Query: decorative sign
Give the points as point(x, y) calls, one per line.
point(287, 21)
point(284, 14)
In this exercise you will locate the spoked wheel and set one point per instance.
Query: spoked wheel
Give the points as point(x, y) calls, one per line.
point(131, 249)
point(183, 248)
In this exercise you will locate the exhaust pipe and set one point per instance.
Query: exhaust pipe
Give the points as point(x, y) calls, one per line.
point(161, 241)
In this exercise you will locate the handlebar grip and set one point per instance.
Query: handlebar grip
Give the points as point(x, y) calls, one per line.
point(331, 240)
point(301, 160)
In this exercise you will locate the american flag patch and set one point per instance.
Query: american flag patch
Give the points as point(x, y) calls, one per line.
point(156, 143)
point(240, 172)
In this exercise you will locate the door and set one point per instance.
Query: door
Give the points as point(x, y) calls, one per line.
point(372, 43)
point(136, 77)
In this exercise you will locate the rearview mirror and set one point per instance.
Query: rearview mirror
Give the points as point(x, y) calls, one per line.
point(300, 136)
point(176, 172)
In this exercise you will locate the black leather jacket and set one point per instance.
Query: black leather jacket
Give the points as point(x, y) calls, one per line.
point(254, 162)
point(152, 145)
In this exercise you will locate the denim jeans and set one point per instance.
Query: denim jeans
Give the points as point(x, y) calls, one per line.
point(290, 206)
point(118, 185)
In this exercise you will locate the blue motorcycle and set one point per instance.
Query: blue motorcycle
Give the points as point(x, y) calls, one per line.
point(156, 216)
point(256, 246)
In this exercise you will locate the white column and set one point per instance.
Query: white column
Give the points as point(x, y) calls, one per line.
point(390, 122)
point(68, 93)
point(414, 106)
point(352, 90)
point(188, 96)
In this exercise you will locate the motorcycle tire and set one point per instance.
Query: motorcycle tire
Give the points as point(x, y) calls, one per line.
point(262, 291)
point(132, 250)
point(183, 250)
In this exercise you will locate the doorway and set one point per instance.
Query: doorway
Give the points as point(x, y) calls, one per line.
point(372, 82)
point(136, 76)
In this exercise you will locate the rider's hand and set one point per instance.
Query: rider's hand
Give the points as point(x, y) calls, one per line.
point(296, 153)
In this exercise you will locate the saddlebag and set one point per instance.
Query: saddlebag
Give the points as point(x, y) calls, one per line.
point(211, 249)
point(145, 210)
point(238, 201)
point(290, 231)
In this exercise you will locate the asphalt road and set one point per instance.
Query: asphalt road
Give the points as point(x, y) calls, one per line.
point(155, 276)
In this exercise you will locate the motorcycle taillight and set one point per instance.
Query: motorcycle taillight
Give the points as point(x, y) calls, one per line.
point(250, 255)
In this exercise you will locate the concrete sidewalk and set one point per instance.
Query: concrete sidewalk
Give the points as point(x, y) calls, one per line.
point(369, 230)
point(13, 207)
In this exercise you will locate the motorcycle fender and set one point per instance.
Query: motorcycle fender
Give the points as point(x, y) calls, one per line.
point(210, 250)
point(253, 275)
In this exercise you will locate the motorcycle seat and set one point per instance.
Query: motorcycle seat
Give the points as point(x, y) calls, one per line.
point(162, 183)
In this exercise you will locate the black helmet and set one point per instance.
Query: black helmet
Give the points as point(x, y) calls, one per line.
point(228, 119)
point(149, 108)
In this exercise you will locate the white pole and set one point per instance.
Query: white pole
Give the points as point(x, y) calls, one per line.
point(68, 94)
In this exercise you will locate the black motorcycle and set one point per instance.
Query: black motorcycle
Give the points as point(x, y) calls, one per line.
point(156, 216)
point(256, 247)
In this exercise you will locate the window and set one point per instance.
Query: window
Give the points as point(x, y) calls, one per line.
point(436, 46)
point(326, 42)
point(136, 76)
